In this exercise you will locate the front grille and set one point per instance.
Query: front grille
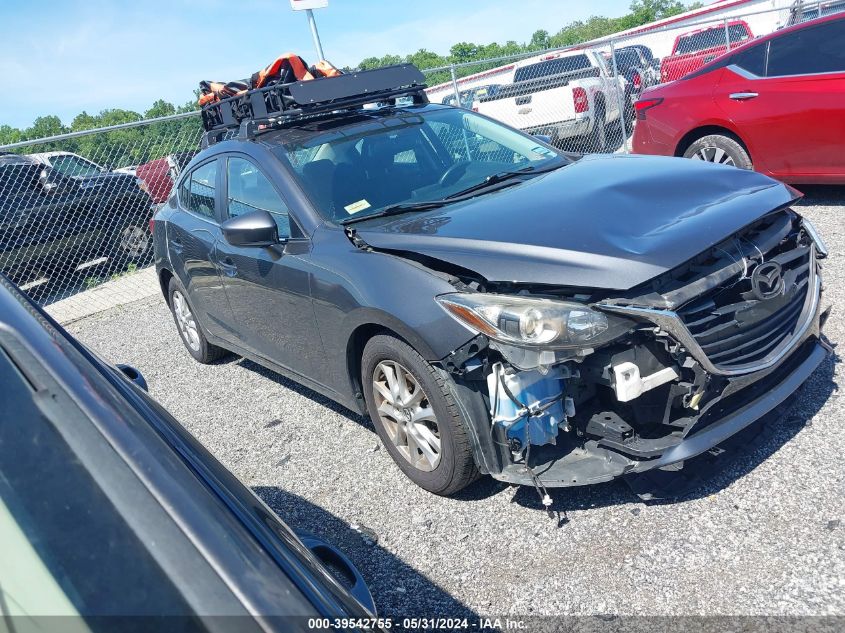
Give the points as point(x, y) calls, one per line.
point(735, 328)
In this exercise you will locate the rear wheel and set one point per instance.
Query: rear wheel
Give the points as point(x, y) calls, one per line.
point(189, 329)
point(412, 405)
point(720, 149)
point(597, 141)
point(132, 244)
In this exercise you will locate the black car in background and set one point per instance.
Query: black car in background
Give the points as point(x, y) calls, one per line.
point(494, 305)
point(108, 507)
point(640, 69)
point(51, 222)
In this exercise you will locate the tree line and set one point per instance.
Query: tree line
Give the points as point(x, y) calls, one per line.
point(137, 145)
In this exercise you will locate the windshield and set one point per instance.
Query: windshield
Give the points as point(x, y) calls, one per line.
point(75, 166)
point(409, 157)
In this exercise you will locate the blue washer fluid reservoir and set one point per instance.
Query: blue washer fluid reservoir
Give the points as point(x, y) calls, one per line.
point(530, 387)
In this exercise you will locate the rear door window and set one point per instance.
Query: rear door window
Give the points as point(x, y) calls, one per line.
point(813, 50)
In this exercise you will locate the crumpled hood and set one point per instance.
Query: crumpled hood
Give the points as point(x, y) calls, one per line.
point(610, 222)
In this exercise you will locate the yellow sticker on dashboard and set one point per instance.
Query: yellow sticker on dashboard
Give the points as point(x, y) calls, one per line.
point(355, 207)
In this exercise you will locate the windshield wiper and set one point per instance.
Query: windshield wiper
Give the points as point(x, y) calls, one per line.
point(503, 176)
point(425, 205)
point(405, 207)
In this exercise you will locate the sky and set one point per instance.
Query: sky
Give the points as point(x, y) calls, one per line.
point(64, 56)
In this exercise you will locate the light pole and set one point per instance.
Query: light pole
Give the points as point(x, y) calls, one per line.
point(313, 24)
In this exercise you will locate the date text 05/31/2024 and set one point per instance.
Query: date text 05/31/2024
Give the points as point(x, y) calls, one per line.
point(482, 624)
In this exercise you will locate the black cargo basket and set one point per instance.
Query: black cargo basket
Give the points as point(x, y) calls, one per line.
point(305, 98)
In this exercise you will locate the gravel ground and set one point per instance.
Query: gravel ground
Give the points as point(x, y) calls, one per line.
point(765, 536)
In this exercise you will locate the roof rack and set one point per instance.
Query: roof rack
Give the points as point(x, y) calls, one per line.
point(257, 110)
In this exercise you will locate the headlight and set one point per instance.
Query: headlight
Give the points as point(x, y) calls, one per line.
point(529, 322)
point(813, 232)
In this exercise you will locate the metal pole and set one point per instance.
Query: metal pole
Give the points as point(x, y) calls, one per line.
point(620, 99)
point(455, 85)
point(459, 105)
point(313, 24)
point(727, 35)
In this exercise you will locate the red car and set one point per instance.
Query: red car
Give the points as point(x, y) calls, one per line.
point(159, 175)
point(694, 49)
point(776, 105)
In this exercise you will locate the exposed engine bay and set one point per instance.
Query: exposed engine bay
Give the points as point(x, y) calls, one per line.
point(583, 387)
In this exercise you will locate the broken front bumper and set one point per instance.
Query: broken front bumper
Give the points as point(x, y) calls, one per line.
point(565, 465)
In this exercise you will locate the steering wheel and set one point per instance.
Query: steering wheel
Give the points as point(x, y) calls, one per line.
point(453, 174)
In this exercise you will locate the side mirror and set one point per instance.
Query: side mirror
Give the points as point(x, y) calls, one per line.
point(544, 137)
point(256, 228)
point(46, 184)
point(133, 375)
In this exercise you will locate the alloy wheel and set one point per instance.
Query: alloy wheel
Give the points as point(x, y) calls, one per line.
point(185, 321)
point(714, 155)
point(406, 414)
point(134, 241)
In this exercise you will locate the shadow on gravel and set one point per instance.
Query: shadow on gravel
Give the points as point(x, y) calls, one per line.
point(398, 590)
point(303, 391)
point(710, 472)
point(821, 195)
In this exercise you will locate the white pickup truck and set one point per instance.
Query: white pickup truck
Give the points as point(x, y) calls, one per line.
point(571, 97)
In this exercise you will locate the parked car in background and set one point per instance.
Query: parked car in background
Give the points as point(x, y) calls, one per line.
point(471, 95)
point(776, 105)
point(804, 11)
point(638, 71)
point(129, 169)
point(51, 222)
point(158, 176)
point(494, 305)
point(693, 50)
point(109, 507)
point(569, 96)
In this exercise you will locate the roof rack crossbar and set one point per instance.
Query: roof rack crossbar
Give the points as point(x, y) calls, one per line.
point(287, 102)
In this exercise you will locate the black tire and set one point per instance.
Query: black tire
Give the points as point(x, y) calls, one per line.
point(718, 148)
point(456, 467)
point(597, 140)
point(202, 351)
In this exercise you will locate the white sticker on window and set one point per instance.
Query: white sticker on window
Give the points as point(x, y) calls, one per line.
point(355, 207)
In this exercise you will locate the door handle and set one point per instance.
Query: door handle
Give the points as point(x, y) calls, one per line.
point(228, 267)
point(177, 245)
point(743, 96)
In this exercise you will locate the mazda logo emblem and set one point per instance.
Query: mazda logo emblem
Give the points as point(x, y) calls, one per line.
point(767, 281)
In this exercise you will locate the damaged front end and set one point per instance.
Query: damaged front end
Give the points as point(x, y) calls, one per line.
point(581, 387)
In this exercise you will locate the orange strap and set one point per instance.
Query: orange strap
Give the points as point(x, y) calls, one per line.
point(300, 71)
point(326, 69)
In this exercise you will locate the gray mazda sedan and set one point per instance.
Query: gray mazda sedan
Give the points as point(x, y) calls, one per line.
point(495, 305)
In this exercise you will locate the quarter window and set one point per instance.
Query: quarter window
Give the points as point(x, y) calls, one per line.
point(198, 189)
point(817, 49)
point(752, 60)
point(250, 190)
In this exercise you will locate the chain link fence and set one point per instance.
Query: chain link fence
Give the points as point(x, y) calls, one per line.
point(75, 209)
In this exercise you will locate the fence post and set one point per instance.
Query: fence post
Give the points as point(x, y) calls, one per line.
point(727, 34)
point(619, 98)
point(455, 85)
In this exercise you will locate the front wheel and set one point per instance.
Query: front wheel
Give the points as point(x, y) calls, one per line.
point(720, 149)
point(412, 405)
